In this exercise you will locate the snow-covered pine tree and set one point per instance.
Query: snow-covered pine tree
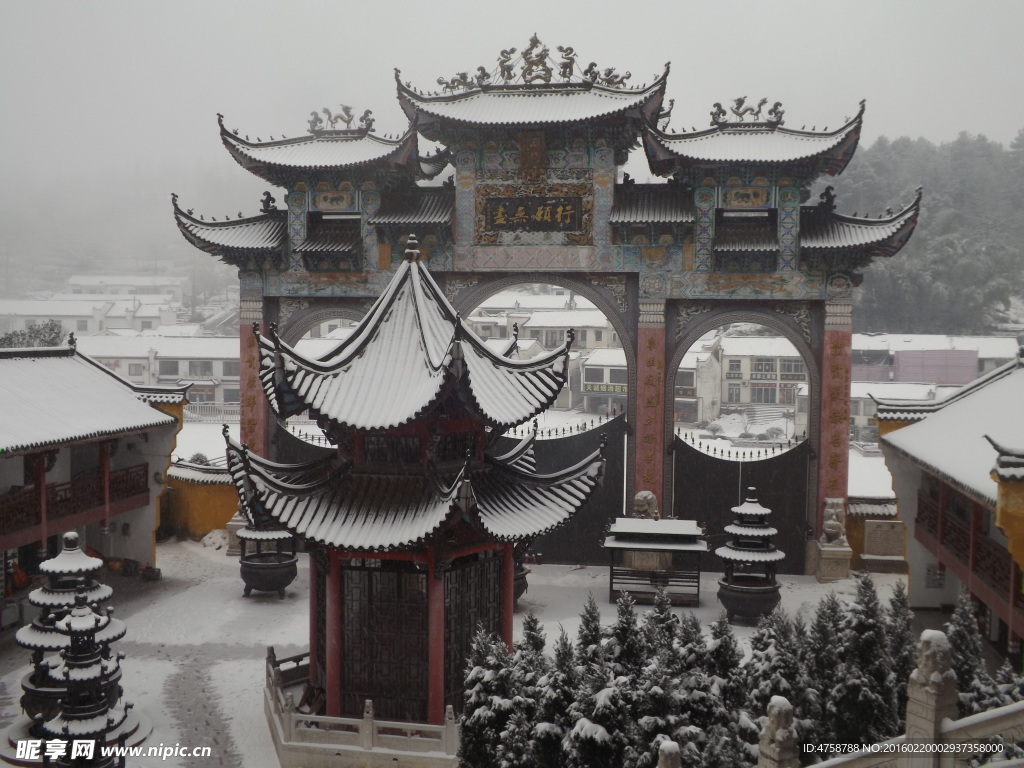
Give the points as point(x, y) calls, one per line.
point(657, 707)
point(723, 665)
point(488, 701)
point(515, 747)
point(625, 647)
point(900, 630)
point(589, 649)
point(965, 646)
point(1005, 688)
point(773, 668)
point(863, 707)
point(723, 750)
point(556, 692)
point(822, 664)
point(702, 704)
point(661, 626)
point(604, 732)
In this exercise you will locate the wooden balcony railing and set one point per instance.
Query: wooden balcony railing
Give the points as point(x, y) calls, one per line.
point(992, 563)
point(956, 538)
point(928, 514)
point(20, 510)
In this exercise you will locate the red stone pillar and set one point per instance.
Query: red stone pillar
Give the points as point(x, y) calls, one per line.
point(834, 424)
point(332, 636)
point(649, 460)
point(508, 595)
point(254, 407)
point(435, 642)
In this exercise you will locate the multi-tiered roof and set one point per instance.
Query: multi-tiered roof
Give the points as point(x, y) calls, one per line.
point(751, 541)
point(413, 399)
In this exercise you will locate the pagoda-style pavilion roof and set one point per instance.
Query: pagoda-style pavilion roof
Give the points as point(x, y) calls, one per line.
point(765, 143)
point(406, 353)
point(329, 503)
point(232, 238)
point(282, 161)
point(531, 88)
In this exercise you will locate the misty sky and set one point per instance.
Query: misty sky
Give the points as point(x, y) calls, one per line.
point(108, 107)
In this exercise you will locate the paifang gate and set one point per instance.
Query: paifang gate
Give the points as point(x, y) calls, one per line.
point(532, 150)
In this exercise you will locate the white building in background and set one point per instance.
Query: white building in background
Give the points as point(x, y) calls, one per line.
point(949, 360)
point(135, 285)
point(761, 370)
point(210, 364)
point(85, 316)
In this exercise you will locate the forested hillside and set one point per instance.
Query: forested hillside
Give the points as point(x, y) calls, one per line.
point(966, 258)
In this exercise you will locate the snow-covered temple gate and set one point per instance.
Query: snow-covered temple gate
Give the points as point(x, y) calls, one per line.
point(538, 194)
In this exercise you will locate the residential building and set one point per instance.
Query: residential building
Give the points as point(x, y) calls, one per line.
point(135, 285)
point(80, 448)
point(85, 316)
point(957, 467)
point(209, 364)
point(760, 370)
point(950, 360)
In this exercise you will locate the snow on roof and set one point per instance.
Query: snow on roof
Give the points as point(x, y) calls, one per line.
point(498, 346)
point(50, 396)
point(1000, 347)
point(125, 280)
point(511, 300)
point(951, 441)
point(568, 318)
point(760, 346)
point(611, 356)
point(691, 358)
point(869, 477)
point(897, 390)
point(148, 298)
point(183, 347)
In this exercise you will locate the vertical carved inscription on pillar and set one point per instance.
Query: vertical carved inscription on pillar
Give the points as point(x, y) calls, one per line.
point(650, 438)
point(253, 401)
point(833, 461)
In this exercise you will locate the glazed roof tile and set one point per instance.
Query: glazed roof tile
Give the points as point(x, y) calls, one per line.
point(756, 143)
point(257, 233)
point(398, 360)
point(326, 503)
point(432, 205)
point(821, 229)
point(51, 396)
point(651, 204)
point(530, 104)
point(325, 149)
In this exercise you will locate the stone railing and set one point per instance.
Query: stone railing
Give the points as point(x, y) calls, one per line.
point(312, 740)
point(934, 739)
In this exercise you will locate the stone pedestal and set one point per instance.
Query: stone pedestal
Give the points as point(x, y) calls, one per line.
point(236, 523)
point(833, 562)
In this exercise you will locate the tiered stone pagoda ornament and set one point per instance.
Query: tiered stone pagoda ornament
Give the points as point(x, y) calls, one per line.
point(413, 521)
point(271, 565)
point(749, 589)
point(48, 695)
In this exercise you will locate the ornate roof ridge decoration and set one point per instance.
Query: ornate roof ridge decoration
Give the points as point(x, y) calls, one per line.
point(405, 354)
point(740, 110)
point(891, 409)
point(534, 67)
point(346, 116)
point(330, 149)
point(734, 141)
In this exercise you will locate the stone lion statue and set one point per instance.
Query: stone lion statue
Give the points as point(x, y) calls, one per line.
point(645, 504)
point(833, 529)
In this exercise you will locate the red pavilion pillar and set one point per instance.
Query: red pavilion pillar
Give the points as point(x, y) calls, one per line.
point(834, 424)
point(649, 459)
point(332, 636)
point(508, 591)
point(435, 641)
point(253, 400)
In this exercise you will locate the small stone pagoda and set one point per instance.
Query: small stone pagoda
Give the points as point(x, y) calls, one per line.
point(63, 641)
point(414, 520)
point(749, 589)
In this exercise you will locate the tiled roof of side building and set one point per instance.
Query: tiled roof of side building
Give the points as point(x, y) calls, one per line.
point(431, 205)
point(399, 358)
point(256, 234)
point(651, 204)
point(56, 395)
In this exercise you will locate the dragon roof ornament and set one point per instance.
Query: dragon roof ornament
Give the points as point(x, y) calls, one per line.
point(740, 111)
point(536, 65)
point(329, 122)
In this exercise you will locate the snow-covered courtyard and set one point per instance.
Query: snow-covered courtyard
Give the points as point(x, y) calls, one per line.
point(196, 648)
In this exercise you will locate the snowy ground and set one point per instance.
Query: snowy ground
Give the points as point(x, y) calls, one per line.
point(196, 648)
